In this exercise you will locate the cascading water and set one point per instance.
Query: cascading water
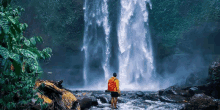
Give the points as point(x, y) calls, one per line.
point(134, 45)
point(96, 41)
point(135, 50)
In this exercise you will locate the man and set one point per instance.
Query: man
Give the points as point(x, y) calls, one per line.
point(113, 87)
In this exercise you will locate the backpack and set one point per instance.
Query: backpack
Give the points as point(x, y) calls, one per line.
point(112, 84)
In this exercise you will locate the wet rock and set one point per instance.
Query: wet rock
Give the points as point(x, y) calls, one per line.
point(121, 100)
point(175, 90)
point(153, 97)
point(201, 102)
point(123, 94)
point(103, 99)
point(93, 100)
point(133, 97)
point(169, 90)
point(184, 93)
point(85, 103)
point(172, 98)
point(194, 90)
point(139, 94)
point(130, 93)
point(160, 92)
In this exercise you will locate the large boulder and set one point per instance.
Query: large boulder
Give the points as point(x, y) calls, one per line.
point(175, 90)
point(214, 79)
point(174, 94)
point(87, 102)
point(201, 102)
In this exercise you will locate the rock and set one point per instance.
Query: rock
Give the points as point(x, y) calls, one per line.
point(214, 71)
point(107, 91)
point(169, 90)
point(133, 97)
point(139, 94)
point(121, 100)
point(194, 90)
point(86, 99)
point(160, 92)
point(103, 99)
point(201, 102)
point(123, 94)
point(172, 98)
point(175, 90)
point(85, 103)
point(153, 97)
point(130, 93)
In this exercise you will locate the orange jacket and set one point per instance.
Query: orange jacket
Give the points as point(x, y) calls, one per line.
point(117, 83)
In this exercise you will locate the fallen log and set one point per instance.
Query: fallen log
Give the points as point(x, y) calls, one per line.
point(55, 95)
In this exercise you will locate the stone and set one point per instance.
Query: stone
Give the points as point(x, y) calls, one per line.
point(172, 98)
point(85, 103)
point(194, 90)
point(201, 102)
point(153, 97)
point(103, 99)
point(139, 94)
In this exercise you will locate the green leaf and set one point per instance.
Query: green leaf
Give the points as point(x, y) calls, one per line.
point(39, 101)
point(5, 26)
point(1, 33)
point(23, 26)
point(36, 51)
point(27, 42)
point(33, 41)
point(1, 101)
point(39, 39)
point(28, 53)
point(13, 21)
point(15, 57)
point(2, 81)
point(2, 14)
point(9, 106)
point(47, 50)
point(4, 52)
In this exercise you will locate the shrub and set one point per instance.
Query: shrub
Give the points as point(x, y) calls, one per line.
point(19, 58)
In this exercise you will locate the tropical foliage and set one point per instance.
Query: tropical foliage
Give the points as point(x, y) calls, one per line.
point(19, 58)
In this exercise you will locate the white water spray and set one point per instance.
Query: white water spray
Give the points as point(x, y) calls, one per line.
point(135, 50)
point(96, 20)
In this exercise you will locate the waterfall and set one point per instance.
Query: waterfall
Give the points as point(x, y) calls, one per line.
point(134, 53)
point(135, 50)
point(96, 44)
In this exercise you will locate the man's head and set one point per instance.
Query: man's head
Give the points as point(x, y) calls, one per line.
point(114, 74)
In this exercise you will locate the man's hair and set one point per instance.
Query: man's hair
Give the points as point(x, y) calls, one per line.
point(114, 74)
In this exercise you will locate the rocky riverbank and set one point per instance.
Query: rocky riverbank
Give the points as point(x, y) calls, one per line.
point(201, 97)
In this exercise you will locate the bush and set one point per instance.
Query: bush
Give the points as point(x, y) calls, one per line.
point(19, 58)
